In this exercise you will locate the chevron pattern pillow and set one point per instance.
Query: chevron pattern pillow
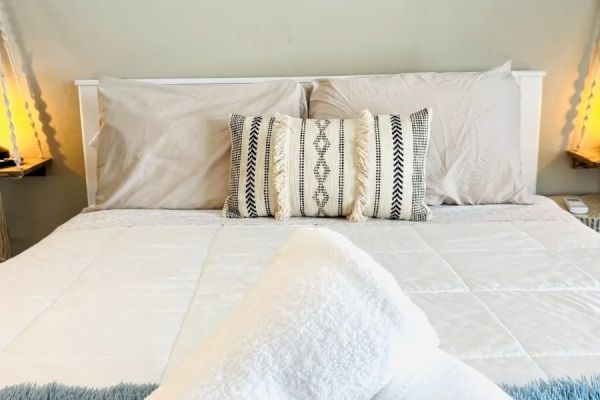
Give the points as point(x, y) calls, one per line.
point(251, 179)
point(396, 171)
point(371, 166)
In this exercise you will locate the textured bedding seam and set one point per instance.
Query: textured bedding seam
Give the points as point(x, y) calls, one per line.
point(504, 289)
point(62, 293)
point(507, 356)
point(553, 251)
point(493, 314)
point(527, 355)
point(189, 306)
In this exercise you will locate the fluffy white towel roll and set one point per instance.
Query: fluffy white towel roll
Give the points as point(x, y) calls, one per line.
point(324, 321)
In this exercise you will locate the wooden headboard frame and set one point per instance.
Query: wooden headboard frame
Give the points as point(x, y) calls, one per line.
point(531, 101)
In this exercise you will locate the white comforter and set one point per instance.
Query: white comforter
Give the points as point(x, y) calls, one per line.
point(112, 296)
point(324, 321)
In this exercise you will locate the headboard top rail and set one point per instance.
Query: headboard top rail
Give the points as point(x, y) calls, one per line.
point(301, 79)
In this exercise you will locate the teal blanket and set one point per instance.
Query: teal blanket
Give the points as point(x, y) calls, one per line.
point(55, 391)
point(555, 389)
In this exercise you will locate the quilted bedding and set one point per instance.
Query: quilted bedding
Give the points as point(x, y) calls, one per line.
point(125, 295)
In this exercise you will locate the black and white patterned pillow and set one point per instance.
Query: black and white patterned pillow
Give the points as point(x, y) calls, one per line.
point(252, 179)
point(397, 153)
point(321, 164)
point(371, 166)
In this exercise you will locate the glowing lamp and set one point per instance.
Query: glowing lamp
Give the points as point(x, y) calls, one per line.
point(584, 148)
point(17, 121)
point(17, 126)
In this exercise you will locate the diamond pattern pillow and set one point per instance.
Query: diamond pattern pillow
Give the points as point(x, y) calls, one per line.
point(322, 160)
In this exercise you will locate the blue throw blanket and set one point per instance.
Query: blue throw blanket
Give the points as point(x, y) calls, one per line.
point(555, 389)
point(55, 391)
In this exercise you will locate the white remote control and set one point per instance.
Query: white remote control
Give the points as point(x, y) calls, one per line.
point(575, 205)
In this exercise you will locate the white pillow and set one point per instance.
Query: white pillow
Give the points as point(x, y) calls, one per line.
point(474, 154)
point(169, 146)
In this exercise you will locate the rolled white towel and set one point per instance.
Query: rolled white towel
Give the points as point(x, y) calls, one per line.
point(324, 322)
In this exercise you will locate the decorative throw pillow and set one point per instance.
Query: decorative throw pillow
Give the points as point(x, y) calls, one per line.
point(256, 163)
point(322, 160)
point(371, 166)
point(396, 171)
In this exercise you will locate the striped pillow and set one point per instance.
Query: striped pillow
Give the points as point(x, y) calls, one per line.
point(397, 153)
point(251, 179)
point(371, 166)
point(322, 157)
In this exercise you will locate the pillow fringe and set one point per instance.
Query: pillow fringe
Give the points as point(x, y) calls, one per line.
point(281, 136)
point(361, 140)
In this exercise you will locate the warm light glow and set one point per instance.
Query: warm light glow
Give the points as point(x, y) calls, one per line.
point(25, 140)
point(25, 136)
point(586, 135)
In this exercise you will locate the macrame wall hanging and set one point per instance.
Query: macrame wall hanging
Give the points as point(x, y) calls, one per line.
point(12, 76)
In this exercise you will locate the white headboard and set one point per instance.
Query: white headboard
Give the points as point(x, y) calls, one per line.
point(531, 101)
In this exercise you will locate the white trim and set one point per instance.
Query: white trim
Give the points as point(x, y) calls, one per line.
point(301, 79)
point(530, 83)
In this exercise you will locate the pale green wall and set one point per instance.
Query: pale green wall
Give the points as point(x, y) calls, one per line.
point(70, 39)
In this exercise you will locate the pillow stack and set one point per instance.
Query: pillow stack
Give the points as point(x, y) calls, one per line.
point(368, 166)
point(174, 147)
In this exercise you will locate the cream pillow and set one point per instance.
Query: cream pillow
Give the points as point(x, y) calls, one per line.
point(169, 146)
point(474, 154)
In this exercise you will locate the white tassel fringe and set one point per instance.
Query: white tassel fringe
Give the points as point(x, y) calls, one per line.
point(281, 137)
point(361, 139)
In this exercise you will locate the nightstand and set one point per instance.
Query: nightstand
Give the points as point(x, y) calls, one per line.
point(29, 167)
point(592, 218)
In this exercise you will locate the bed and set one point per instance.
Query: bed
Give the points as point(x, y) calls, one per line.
point(125, 295)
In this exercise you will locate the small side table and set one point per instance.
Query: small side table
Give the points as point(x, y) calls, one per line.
point(592, 218)
point(29, 167)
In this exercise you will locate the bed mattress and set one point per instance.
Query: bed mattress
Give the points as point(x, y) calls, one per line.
point(125, 295)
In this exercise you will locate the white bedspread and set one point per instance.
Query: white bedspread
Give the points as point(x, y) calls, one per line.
point(324, 321)
point(112, 296)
